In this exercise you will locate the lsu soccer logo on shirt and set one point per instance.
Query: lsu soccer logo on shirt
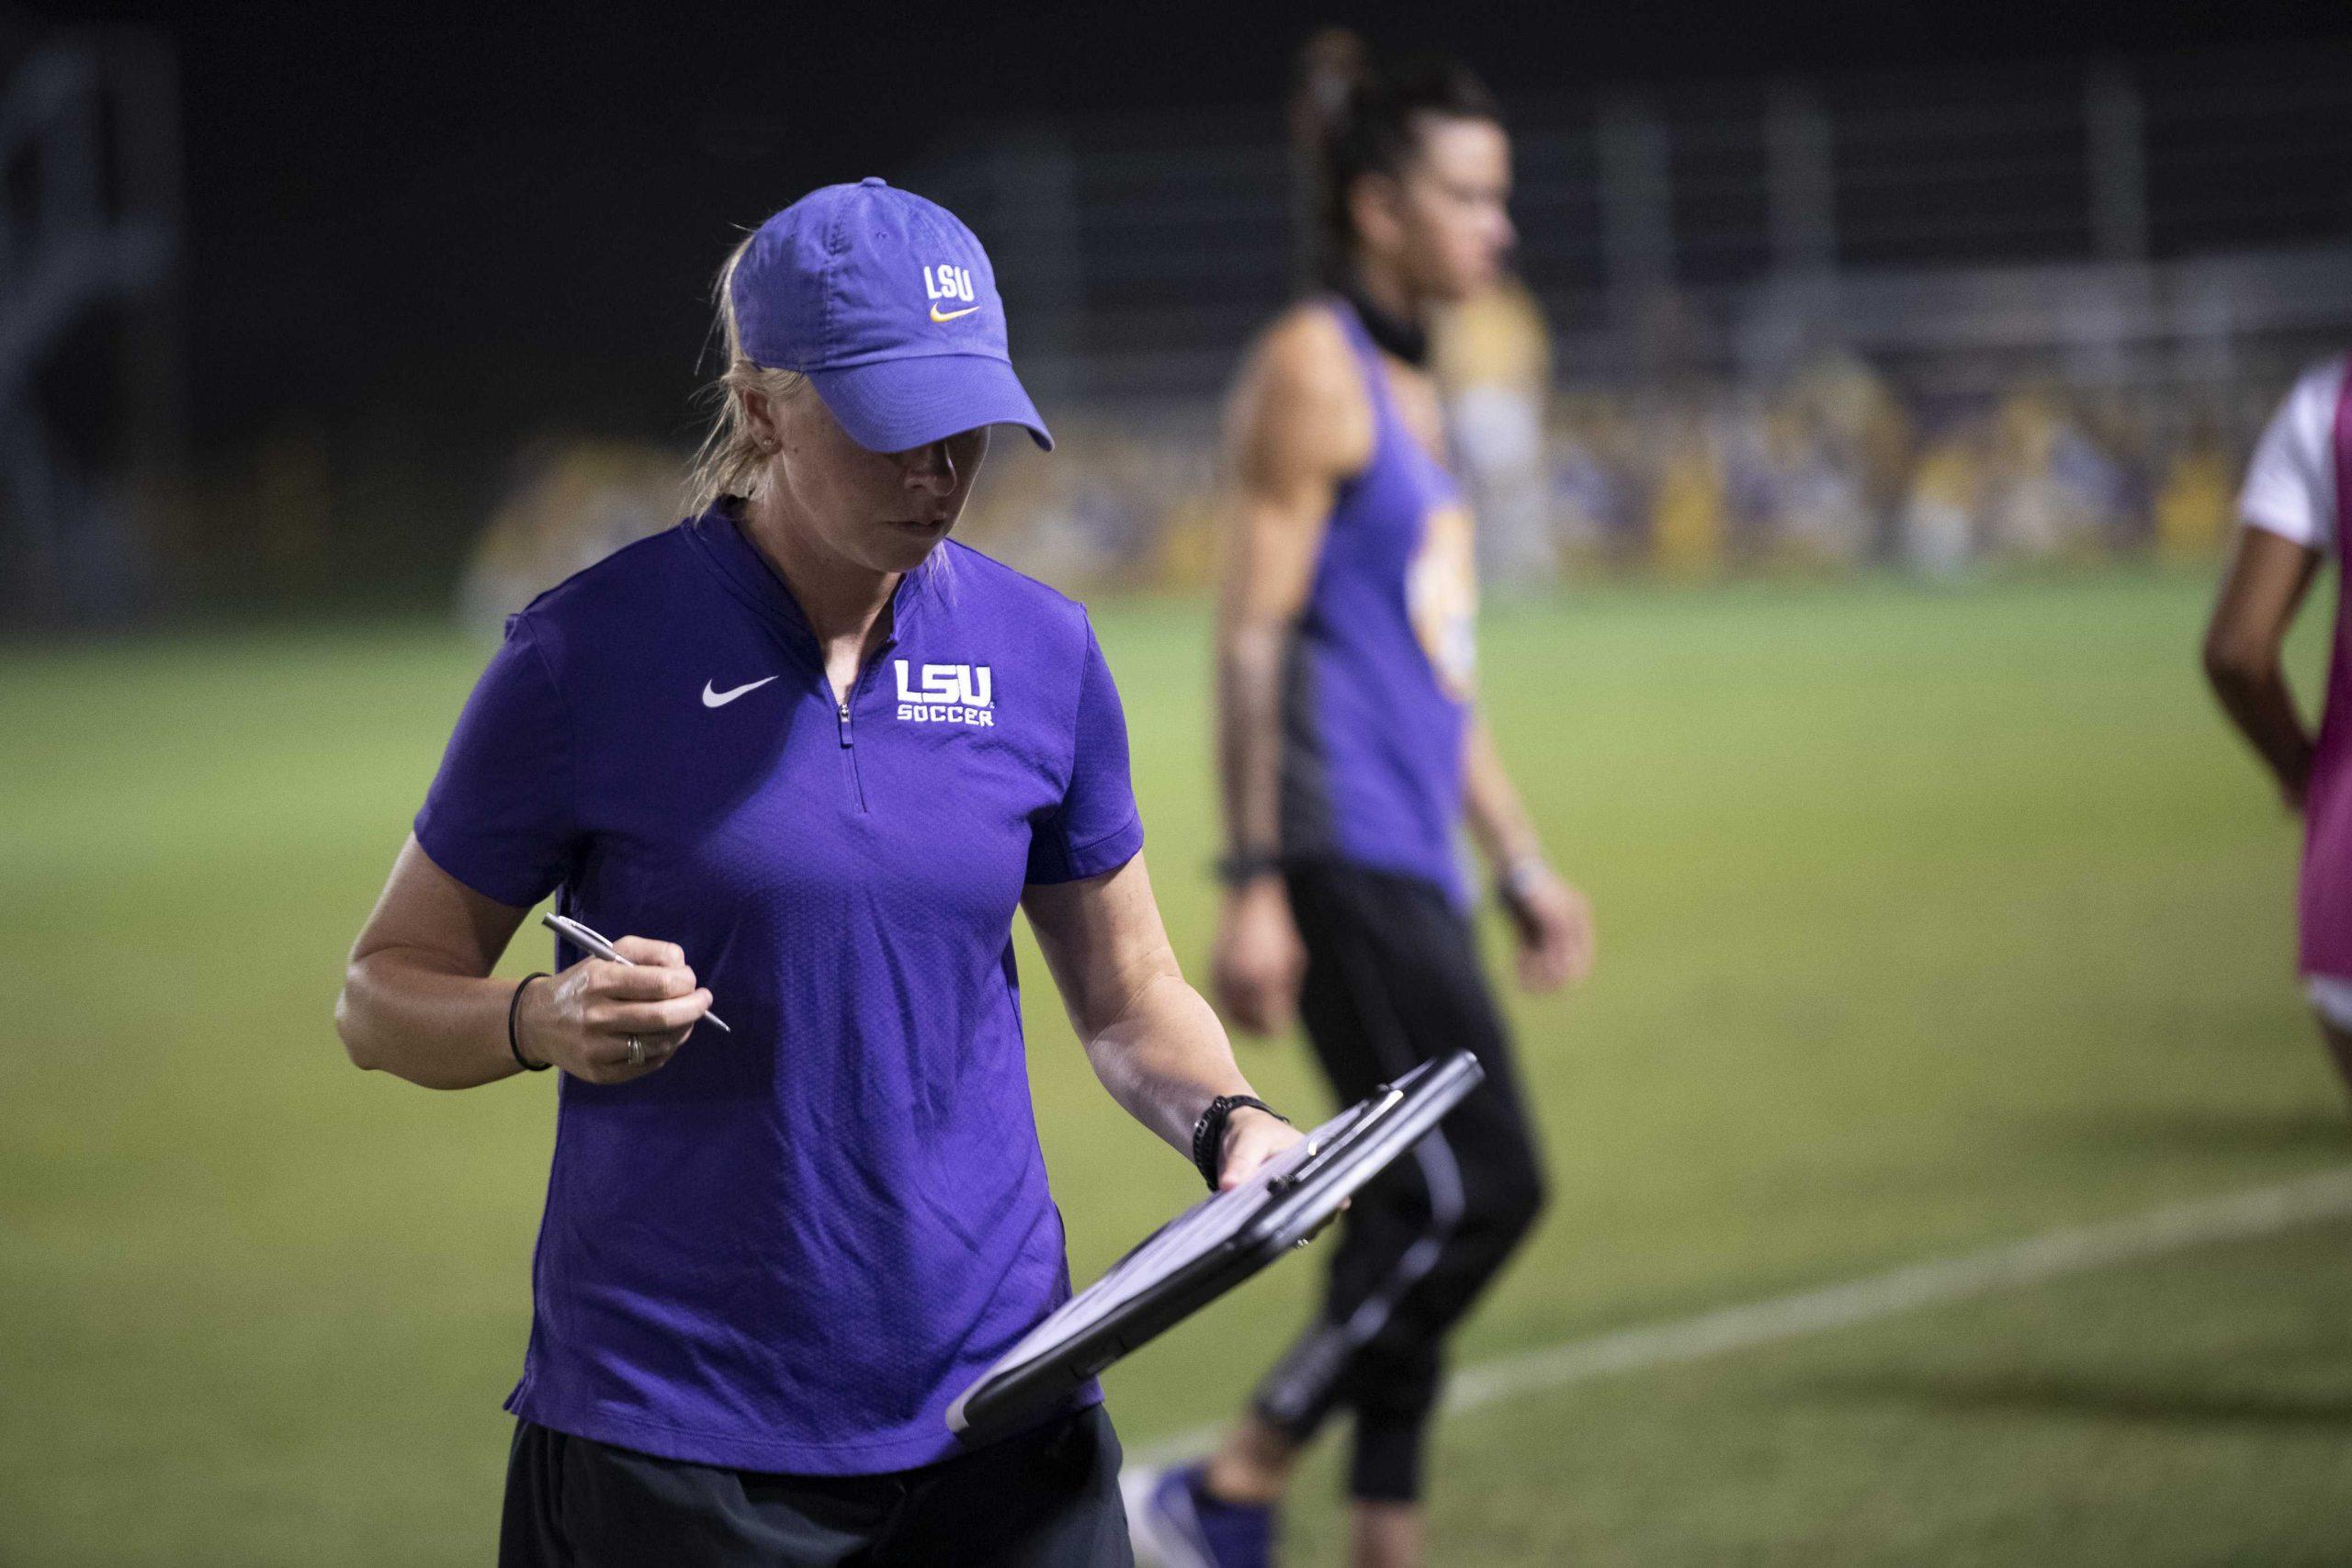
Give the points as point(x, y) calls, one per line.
point(946, 693)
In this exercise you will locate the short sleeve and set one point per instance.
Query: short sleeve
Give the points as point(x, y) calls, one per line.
point(499, 816)
point(2291, 483)
point(1096, 828)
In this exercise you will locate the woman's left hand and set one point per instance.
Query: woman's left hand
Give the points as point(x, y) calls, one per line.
point(1252, 1138)
point(1555, 925)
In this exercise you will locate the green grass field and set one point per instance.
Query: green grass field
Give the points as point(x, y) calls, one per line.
point(1929, 922)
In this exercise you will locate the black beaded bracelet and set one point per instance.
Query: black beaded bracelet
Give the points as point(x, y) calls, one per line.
point(513, 1005)
point(1209, 1133)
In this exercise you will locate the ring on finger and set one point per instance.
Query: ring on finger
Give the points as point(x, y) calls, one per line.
point(635, 1052)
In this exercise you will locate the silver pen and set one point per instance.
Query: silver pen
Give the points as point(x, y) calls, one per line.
point(580, 936)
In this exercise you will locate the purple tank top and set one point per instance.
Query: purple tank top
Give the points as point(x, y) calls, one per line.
point(2326, 901)
point(1378, 679)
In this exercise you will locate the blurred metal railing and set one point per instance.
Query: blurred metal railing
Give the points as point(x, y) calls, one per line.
point(90, 242)
point(2186, 219)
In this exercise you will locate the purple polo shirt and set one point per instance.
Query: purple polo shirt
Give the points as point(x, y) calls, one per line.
point(791, 1248)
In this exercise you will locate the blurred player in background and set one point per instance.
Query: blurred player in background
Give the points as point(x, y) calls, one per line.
point(2295, 508)
point(1494, 363)
point(1352, 751)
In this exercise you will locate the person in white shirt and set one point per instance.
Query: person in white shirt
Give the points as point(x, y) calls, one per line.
point(2294, 509)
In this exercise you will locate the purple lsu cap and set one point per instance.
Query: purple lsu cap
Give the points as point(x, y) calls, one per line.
point(888, 304)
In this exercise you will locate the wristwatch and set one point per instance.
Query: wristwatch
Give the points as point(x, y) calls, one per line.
point(1209, 1133)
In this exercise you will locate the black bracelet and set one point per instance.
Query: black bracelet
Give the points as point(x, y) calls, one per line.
point(1513, 875)
point(1209, 1133)
point(1245, 866)
point(513, 1005)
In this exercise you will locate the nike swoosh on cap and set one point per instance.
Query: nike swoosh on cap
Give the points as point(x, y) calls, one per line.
point(952, 315)
point(711, 699)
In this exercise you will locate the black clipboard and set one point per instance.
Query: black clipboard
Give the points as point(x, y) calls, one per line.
point(1211, 1248)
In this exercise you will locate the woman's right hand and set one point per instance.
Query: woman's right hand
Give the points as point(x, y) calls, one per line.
point(1259, 960)
point(582, 1019)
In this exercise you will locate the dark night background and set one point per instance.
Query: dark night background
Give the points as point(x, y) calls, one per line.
point(414, 241)
point(509, 218)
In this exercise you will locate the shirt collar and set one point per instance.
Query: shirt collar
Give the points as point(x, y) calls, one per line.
point(720, 531)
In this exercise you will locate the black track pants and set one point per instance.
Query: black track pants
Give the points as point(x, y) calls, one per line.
point(1393, 980)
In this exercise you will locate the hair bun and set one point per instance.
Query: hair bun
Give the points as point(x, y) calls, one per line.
point(1352, 115)
point(1333, 66)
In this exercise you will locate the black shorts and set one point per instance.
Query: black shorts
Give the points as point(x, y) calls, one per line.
point(1045, 1498)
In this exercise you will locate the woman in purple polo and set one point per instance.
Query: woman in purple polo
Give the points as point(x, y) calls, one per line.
point(2296, 508)
point(816, 756)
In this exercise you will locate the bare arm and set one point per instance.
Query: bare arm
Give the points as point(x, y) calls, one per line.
point(418, 1003)
point(1152, 1040)
point(1498, 820)
point(1553, 919)
point(1299, 423)
point(2268, 578)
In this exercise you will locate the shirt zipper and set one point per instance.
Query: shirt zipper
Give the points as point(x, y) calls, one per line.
point(841, 715)
point(849, 753)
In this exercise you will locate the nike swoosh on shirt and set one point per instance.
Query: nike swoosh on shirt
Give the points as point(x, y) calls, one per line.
point(711, 699)
point(951, 315)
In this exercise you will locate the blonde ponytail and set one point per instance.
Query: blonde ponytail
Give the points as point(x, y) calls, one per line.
point(731, 461)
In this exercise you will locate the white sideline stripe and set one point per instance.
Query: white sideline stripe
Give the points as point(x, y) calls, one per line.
point(2077, 1249)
